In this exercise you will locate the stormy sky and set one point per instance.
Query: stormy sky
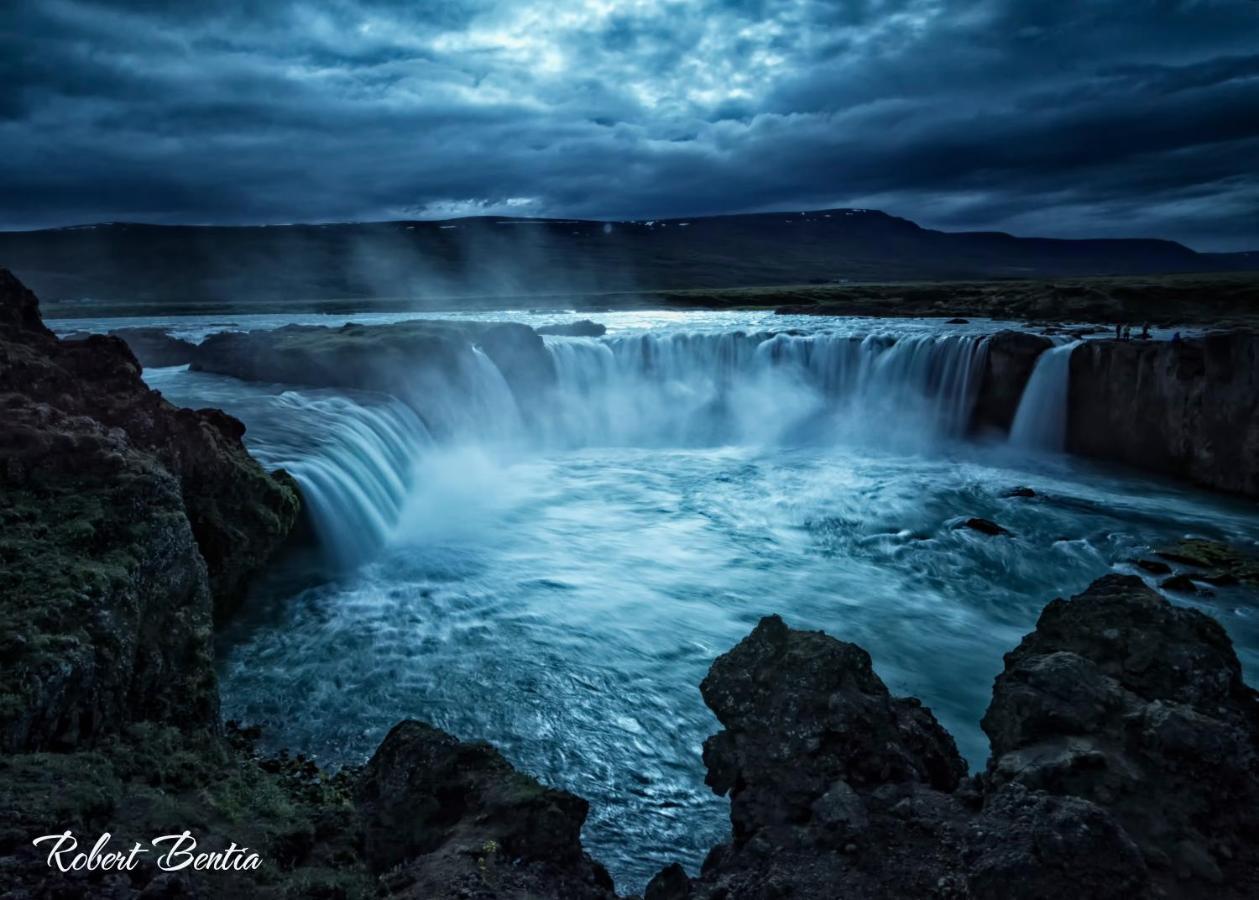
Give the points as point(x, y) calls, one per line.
point(1097, 118)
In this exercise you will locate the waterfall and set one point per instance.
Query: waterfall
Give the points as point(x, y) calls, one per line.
point(352, 460)
point(696, 389)
point(471, 402)
point(1041, 420)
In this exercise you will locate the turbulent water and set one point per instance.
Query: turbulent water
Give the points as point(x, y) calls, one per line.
point(557, 580)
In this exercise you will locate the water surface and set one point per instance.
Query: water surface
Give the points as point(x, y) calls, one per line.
point(559, 586)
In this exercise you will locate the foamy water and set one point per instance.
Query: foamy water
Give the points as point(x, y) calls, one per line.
point(559, 586)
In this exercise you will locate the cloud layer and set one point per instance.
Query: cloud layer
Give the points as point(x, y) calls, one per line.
point(1113, 117)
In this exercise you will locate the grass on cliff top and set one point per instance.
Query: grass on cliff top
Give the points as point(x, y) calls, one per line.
point(154, 780)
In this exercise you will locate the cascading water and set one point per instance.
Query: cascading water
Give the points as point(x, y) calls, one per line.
point(352, 454)
point(558, 582)
point(705, 389)
point(1041, 420)
point(356, 476)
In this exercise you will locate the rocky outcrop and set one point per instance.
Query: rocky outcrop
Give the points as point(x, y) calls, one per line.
point(1124, 764)
point(1188, 408)
point(445, 818)
point(154, 347)
point(126, 523)
point(423, 363)
point(1120, 698)
point(1011, 357)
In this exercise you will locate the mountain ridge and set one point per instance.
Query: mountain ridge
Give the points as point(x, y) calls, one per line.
point(497, 256)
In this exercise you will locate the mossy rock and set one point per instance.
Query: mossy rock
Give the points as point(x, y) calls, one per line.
point(1221, 563)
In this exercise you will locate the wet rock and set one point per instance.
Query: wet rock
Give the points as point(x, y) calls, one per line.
point(1180, 583)
point(1020, 492)
point(1219, 563)
point(1188, 409)
point(1011, 357)
point(582, 328)
point(958, 322)
point(450, 819)
point(984, 526)
point(1153, 566)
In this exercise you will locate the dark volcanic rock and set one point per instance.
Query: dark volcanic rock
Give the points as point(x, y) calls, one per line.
point(425, 364)
point(452, 819)
point(523, 359)
point(153, 347)
point(844, 725)
point(985, 526)
point(1218, 563)
point(582, 328)
point(1181, 583)
point(1023, 492)
point(1011, 357)
point(1188, 408)
point(1121, 698)
point(1154, 567)
point(126, 521)
point(839, 789)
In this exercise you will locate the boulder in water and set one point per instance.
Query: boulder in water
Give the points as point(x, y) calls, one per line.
point(984, 526)
point(1181, 584)
point(1020, 492)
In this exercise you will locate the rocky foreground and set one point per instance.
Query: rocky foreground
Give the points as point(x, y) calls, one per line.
point(1125, 745)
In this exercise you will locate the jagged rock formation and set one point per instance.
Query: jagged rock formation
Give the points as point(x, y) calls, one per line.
point(1139, 706)
point(1188, 408)
point(123, 523)
point(444, 818)
point(126, 523)
point(1125, 750)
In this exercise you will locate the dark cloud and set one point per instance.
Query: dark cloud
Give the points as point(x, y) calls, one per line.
point(1114, 117)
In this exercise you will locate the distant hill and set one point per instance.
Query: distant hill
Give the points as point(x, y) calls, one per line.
point(478, 260)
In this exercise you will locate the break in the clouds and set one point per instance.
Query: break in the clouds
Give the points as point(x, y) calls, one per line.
point(1110, 117)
